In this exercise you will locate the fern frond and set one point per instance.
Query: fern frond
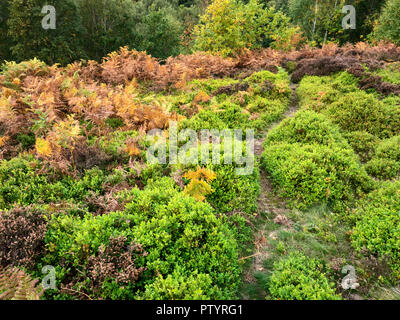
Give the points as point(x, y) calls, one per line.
point(15, 284)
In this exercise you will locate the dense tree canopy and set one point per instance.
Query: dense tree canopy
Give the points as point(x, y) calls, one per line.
point(90, 29)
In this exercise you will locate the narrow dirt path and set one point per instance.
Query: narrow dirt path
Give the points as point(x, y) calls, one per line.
point(270, 207)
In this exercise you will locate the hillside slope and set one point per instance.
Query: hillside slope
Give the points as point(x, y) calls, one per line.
point(317, 201)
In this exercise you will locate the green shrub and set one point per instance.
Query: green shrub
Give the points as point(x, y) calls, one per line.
point(270, 85)
point(298, 277)
point(72, 241)
point(176, 230)
point(269, 110)
point(363, 143)
point(183, 239)
point(388, 26)
point(308, 158)
point(378, 227)
point(266, 97)
point(115, 144)
point(115, 122)
point(232, 192)
point(312, 173)
point(382, 168)
point(317, 93)
point(390, 73)
point(386, 161)
point(211, 85)
point(389, 149)
point(19, 184)
point(179, 287)
point(307, 127)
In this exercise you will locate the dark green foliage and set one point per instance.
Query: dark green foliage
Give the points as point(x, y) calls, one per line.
point(94, 28)
point(386, 161)
point(232, 192)
point(108, 25)
point(26, 140)
point(236, 186)
point(5, 42)
point(363, 143)
point(177, 232)
point(159, 34)
point(142, 25)
point(377, 230)
point(61, 45)
point(311, 162)
point(367, 14)
point(388, 27)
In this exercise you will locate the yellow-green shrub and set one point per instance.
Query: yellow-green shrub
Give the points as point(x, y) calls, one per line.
point(298, 277)
point(310, 161)
point(228, 26)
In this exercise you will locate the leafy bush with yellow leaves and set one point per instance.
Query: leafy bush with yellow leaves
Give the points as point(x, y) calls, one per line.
point(229, 26)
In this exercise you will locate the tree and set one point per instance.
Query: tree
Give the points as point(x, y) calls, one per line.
point(5, 42)
point(229, 26)
point(62, 44)
point(388, 27)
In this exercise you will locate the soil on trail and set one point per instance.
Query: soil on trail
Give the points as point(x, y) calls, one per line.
point(270, 208)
